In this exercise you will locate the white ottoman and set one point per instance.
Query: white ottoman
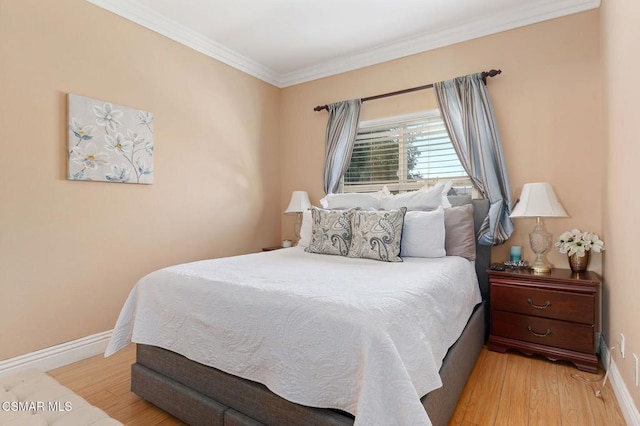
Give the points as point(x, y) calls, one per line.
point(33, 398)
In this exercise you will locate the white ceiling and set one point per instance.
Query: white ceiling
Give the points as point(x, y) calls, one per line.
point(286, 42)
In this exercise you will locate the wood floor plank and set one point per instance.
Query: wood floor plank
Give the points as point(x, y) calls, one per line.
point(514, 399)
point(170, 421)
point(602, 411)
point(487, 380)
point(466, 401)
point(139, 412)
point(543, 398)
point(612, 413)
point(573, 401)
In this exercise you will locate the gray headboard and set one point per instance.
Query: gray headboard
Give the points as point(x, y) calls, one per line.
point(483, 253)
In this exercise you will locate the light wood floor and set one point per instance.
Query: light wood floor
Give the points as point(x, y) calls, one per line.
point(105, 383)
point(514, 389)
point(504, 389)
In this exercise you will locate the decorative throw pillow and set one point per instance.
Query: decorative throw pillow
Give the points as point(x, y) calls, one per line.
point(460, 237)
point(330, 231)
point(423, 234)
point(377, 235)
point(414, 200)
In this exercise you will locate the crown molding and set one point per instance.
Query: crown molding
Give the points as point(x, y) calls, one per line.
point(522, 16)
point(154, 21)
point(411, 46)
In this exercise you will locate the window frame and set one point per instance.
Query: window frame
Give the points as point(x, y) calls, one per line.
point(462, 185)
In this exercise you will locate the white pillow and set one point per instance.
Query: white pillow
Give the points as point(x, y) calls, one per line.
point(423, 234)
point(352, 200)
point(415, 200)
point(445, 190)
point(305, 229)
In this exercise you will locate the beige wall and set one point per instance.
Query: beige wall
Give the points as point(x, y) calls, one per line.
point(620, 35)
point(71, 251)
point(547, 103)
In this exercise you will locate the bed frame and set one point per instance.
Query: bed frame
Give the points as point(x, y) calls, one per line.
point(202, 395)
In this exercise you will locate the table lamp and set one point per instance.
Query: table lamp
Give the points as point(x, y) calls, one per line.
point(299, 203)
point(538, 200)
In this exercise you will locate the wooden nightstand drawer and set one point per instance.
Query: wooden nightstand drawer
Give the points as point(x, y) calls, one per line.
point(549, 332)
point(560, 305)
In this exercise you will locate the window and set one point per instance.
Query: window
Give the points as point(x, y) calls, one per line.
point(404, 153)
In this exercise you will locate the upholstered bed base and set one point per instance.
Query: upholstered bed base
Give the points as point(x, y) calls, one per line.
point(201, 395)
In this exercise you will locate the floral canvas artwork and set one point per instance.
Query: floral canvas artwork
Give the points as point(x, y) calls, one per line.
point(109, 142)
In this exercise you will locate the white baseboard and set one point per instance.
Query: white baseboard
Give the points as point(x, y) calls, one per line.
point(627, 406)
point(59, 355)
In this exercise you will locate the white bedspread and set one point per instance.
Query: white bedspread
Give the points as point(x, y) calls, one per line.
point(364, 336)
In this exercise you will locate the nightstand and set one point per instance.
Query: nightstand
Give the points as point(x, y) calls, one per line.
point(555, 315)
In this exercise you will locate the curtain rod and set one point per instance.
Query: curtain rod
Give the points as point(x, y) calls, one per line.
point(484, 75)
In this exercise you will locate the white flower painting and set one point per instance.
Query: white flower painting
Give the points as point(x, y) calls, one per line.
point(109, 142)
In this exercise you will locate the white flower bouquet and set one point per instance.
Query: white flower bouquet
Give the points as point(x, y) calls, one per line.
point(578, 242)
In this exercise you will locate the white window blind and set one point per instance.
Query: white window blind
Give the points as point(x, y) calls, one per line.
point(404, 153)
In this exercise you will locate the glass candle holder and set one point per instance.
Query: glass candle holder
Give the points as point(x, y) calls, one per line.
point(515, 253)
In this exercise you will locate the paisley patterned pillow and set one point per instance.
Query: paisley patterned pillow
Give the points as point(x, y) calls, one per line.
point(330, 231)
point(377, 235)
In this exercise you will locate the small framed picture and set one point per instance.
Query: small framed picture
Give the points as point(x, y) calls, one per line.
point(109, 142)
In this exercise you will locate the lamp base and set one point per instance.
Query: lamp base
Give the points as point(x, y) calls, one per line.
point(298, 225)
point(540, 240)
point(540, 267)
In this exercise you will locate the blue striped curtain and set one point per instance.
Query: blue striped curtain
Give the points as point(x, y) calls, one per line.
point(341, 135)
point(468, 116)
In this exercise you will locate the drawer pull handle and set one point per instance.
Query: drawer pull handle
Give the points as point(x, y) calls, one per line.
point(547, 333)
point(546, 305)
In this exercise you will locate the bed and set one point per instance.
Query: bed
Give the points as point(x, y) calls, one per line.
point(318, 354)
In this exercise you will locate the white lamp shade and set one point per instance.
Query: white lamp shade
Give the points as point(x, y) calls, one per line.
point(538, 200)
point(299, 202)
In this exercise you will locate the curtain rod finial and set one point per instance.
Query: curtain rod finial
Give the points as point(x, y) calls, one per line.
point(491, 73)
point(321, 107)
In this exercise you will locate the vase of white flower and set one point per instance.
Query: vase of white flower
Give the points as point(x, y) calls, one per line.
point(578, 245)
